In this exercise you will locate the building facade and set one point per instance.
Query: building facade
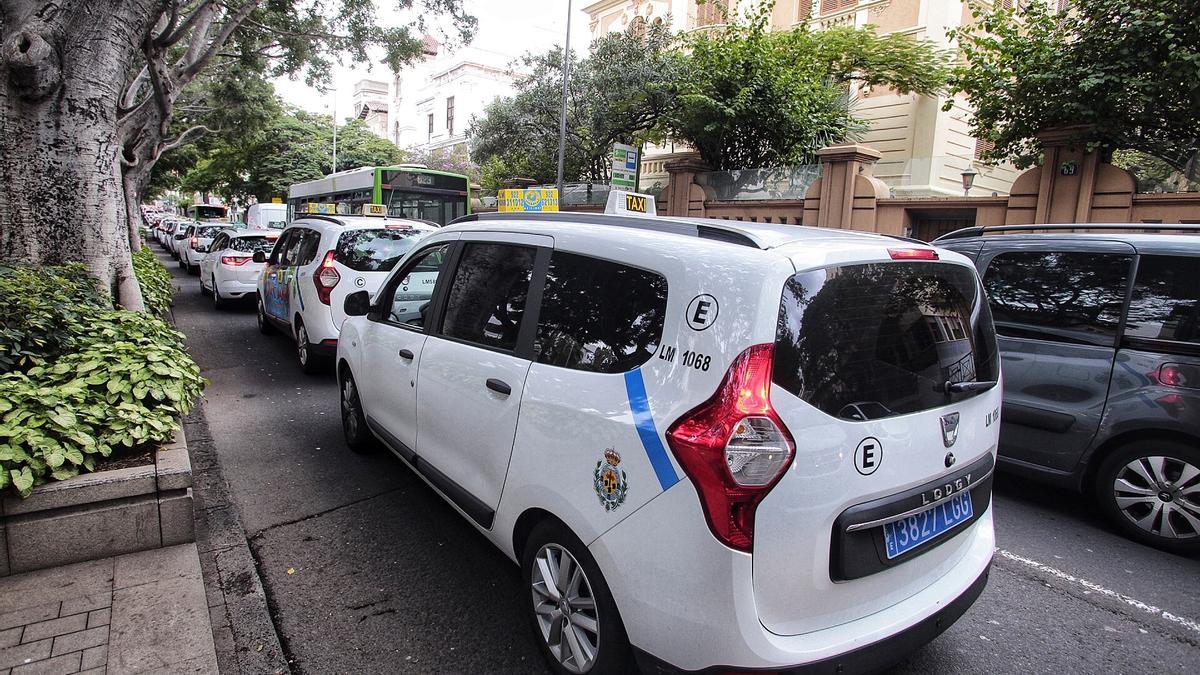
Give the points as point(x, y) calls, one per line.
point(430, 104)
point(925, 149)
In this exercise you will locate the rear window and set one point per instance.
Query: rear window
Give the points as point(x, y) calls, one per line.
point(251, 244)
point(871, 341)
point(374, 250)
point(206, 232)
point(1166, 300)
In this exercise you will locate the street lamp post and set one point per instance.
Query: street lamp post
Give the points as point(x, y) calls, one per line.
point(562, 120)
point(334, 168)
point(968, 179)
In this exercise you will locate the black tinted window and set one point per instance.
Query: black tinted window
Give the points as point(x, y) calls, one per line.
point(251, 244)
point(412, 291)
point(598, 315)
point(487, 298)
point(1166, 299)
point(374, 250)
point(205, 232)
point(309, 242)
point(869, 341)
point(1072, 297)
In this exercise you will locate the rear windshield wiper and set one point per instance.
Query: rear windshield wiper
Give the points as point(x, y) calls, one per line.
point(959, 387)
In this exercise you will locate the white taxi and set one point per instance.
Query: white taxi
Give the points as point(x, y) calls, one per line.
point(709, 446)
point(318, 261)
point(228, 271)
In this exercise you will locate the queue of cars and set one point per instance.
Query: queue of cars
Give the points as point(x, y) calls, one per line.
point(780, 438)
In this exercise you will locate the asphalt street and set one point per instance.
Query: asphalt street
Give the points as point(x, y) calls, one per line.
point(367, 570)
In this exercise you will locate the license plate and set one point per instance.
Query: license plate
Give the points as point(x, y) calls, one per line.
point(903, 536)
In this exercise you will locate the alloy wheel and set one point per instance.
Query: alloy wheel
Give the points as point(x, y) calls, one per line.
point(565, 608)
point(350, 407)
point(1160, 495)
point(302, 345)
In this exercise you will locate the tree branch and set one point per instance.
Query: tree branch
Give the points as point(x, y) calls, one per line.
point(170, 37)
point(167, 147)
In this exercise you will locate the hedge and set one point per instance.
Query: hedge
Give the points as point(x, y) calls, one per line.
point(80, 380)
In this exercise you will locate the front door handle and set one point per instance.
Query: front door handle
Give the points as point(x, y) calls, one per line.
point(406, 354)
point(499, 386)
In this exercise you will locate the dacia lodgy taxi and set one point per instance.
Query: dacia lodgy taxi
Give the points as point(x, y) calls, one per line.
point(708, 445)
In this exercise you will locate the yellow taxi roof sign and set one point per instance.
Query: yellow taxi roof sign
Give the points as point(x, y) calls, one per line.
point(630, 204)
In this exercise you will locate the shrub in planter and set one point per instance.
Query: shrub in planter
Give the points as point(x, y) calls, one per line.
point(154, 280)
point(107, 380)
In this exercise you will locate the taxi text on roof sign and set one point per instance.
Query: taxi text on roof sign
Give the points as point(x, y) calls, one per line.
point(631, 204)
point(530, 200)
point(374, 210)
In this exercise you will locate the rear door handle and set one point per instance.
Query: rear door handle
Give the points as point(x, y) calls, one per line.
point(406, 354)
point(499, 386)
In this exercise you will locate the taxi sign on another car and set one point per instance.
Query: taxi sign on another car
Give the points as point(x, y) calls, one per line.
point(531, 199)
point(374, 210)
point(630, 204)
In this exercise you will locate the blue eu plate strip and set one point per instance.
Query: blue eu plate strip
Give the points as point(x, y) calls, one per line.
point(639, 405)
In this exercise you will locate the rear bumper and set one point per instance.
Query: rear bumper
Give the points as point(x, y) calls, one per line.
point(232, 288)
point(872, 658)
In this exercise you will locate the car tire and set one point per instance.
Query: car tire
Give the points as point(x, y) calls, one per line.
point(354, 423)
point(182, 262)
point(1150, 491)
point(264, 323)
point(218, 301)
point(310, 363)
point(560, 620)
point(193, 270)
point(203, 290)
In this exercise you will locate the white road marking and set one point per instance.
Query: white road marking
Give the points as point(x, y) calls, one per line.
point(1132, 602)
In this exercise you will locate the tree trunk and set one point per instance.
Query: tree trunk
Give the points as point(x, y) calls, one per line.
point(63, 66)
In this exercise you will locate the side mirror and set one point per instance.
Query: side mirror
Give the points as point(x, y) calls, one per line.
point(259, 257)
point(357, 304)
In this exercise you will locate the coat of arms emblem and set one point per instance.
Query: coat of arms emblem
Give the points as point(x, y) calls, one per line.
point(610, 481)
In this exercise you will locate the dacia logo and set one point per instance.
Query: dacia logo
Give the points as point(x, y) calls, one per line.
point(949, 429)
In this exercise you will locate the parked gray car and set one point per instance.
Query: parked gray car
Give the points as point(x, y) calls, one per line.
point(1099, 336)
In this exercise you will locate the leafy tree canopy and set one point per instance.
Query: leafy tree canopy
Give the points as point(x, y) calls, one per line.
point(1128, 73)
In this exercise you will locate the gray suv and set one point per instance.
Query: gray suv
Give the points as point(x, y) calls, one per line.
point(1099, 337)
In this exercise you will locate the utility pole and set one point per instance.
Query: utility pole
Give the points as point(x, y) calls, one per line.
point(334, 168)
point(562, 122)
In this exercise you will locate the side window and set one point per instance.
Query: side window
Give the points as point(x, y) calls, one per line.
point(1166, 300)
point(308, 247)
point(487, 298)
point(1059, 296)
point(280, 250)
point(413, 287)
point(220, 243)
point(598, 315)
point(291, 255)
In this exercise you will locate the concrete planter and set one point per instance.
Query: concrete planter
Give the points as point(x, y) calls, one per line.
point(101, 514)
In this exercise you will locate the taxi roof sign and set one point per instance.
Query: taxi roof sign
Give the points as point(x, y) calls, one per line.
point(374, 210)
point(530, 200)
point(631, 204)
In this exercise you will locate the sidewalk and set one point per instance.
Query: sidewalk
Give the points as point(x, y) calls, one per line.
point(137, 613)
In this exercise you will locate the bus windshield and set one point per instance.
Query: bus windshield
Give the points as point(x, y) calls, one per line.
point(440, 209)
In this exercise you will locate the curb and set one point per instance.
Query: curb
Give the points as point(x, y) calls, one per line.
point(100, 514)
point(243, 630)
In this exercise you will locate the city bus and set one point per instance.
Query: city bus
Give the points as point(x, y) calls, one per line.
point(208, 213)
point(408, 191)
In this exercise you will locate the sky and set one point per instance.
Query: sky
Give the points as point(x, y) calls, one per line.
point(507, 29)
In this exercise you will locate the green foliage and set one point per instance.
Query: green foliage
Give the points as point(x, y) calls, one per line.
point(39, 306)
point(292, 147)
point(1127, 74)
point(154, 280)
point(751, 97)
point(104, 380)
point(618, 93)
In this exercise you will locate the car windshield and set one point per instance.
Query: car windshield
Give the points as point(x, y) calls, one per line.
point(374, 250)
point(251, 244)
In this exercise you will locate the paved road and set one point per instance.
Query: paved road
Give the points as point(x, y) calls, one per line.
point(367, 570)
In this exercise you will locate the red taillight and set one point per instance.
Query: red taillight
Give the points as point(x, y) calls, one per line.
point(913, 254)
point(326, 278)
point(195, 242)
point(1171, 375)
point(233, 260)
point(734, 447)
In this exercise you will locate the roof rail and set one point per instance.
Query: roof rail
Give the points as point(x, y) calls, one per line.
point(716, 231)
point(979, 231)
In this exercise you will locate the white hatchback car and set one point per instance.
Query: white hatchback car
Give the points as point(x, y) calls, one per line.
point(228, 271)
point(708, 445)
point(195, 245)
point(315, 264)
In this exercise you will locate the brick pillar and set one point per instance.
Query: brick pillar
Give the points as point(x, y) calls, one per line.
point(845, 195)
point(683, 196)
